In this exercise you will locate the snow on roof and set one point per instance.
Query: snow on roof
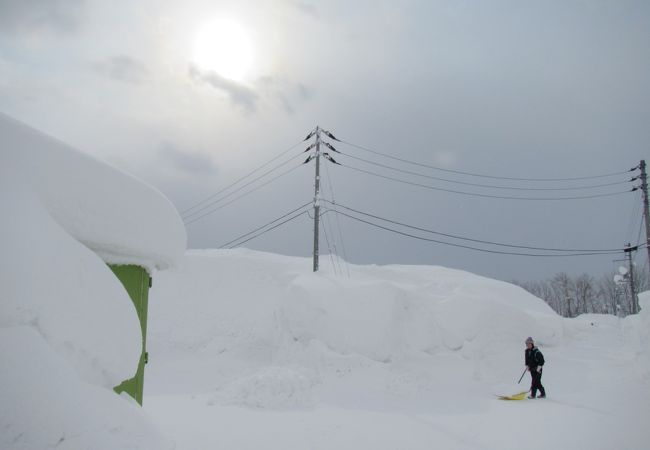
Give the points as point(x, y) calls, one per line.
point(121, 218)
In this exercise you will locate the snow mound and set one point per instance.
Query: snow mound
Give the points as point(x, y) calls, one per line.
point(392, 357)
point(245, 311)
point(69, 332)
point(55, 285)
point(641, 330)
point(46, 405)
point(270, 388)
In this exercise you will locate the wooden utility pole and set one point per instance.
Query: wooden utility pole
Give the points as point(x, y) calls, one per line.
point(317, 199)
point(646, 212)
point(634, 304)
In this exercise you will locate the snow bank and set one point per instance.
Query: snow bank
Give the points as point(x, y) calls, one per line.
point(641, 332)
point(55, 285)
point(46, 405)
point(69, 332)
point(393, 357)
point(119, 217)
point(244, 311)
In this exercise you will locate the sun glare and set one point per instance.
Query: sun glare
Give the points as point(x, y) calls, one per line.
point(224, 46)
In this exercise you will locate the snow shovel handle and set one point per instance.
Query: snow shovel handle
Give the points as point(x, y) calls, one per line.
point(522, 376)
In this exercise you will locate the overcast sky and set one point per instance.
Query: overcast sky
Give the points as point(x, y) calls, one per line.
point(509, 89)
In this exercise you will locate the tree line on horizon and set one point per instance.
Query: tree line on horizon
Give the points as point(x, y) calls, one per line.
point(584, 294)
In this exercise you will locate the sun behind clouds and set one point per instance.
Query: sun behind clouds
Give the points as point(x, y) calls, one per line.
point(225, 47)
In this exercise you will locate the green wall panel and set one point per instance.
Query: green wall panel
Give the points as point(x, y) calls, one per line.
point(136, 281)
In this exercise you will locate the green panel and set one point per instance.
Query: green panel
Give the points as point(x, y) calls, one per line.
point(136, 281)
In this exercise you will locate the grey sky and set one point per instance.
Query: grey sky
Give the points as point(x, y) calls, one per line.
point(506, 88)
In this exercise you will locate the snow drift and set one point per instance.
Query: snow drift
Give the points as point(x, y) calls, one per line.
point(69, 332)
point(250, 312)
point(253, 350)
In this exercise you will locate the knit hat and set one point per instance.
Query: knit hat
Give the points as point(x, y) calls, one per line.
point(529, 340)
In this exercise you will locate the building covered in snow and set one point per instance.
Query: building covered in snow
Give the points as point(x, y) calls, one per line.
point(81, 244)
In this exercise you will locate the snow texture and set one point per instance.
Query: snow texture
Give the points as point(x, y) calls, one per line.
point(117, 216)
point(46, 405)
point(252, 350)
point(69, 332)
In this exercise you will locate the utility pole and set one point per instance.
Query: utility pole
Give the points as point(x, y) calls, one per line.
point(634, 308)
point(317, 154)
point(317, 198)
point(646, 210)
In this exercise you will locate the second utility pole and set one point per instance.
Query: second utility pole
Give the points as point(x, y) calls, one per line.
point(634, 303)
point(317, 199)
point(646, 209)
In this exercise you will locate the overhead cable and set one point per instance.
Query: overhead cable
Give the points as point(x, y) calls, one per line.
point(242, 195)
point(466, 246)
point(453, 236)
point(185, 211)
point(270, 229)
point(513, 188)
point(329, 248)
point(482, 175)
point(433, 188)
point(265, 225)
point(218, 200)
point(338, 223)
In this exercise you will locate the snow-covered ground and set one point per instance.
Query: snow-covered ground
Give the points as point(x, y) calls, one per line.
point(251, 350)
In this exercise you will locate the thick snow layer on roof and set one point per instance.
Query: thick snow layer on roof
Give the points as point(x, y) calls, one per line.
point(69, 333)
point(119, 217)
point(54, 284)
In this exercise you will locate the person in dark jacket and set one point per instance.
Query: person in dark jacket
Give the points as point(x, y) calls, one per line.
point(534, 361)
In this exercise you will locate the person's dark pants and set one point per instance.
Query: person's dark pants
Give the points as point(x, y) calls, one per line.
point(536, 383)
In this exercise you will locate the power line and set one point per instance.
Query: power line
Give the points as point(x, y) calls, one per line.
point(329, 248)
point(243, 195)
point(464, 246)
point(338, 223)
point(242, 178)
point(426, 186)
point(513, 188)
point(636, 207)
point(638, 239)
point(582, 250)
point(480, 175)
point(265, 225)
point(214, 202)
point(272, 228)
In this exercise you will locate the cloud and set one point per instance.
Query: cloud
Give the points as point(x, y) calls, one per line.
point(239, 95)
point(123, 68)
point(286, 92)
point(41, 16)
point(272, 89)
point(306, 8)
point(193, 163)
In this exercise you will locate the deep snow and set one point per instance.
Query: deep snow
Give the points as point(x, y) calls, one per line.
point(69, 332)
point(119, 217)
point(251, 350)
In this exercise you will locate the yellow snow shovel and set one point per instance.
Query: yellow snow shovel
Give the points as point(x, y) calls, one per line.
point(519, 396)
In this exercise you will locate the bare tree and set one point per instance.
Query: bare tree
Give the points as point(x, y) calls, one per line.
point(584, 294)
point(571, 297)
point(562, 287)
point(607, 293)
